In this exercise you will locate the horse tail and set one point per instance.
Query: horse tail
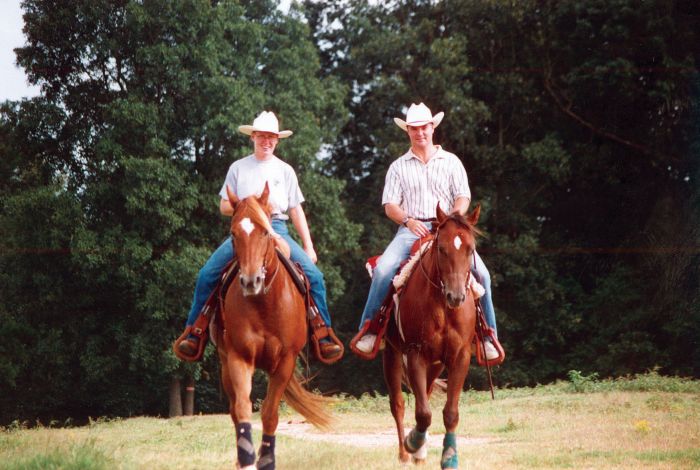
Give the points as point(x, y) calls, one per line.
point(311, 406)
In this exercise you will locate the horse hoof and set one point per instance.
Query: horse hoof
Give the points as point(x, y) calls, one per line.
point(417, 461)
point(421, 454)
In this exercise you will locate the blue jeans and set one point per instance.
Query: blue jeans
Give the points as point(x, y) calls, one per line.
point(210, 274)
point(398, 250)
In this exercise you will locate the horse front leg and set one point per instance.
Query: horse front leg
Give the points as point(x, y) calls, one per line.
point(240, 375)
point(226, 384)
point(393, 371)
point(270, 410)
point(434, 371)
point(416, 442)
point(458, 370)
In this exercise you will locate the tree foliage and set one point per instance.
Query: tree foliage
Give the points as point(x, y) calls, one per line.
point(110, 181)
point(574, 121)
point(577, 122)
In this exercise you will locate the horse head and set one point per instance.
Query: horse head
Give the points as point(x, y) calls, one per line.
point(251, 232)
point(454, 245)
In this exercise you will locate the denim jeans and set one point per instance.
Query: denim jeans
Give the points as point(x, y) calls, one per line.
point(211, 272)
point(398, 250)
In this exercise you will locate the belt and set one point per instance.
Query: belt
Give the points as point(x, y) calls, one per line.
point(433, 219)
point(279, 217)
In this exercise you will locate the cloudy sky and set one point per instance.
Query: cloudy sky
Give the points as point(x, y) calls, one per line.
point(13, 81)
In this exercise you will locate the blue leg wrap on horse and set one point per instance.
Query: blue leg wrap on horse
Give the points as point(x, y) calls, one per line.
point(449, 451)
point(414, 440)
point(244, 445)
point(266, 456)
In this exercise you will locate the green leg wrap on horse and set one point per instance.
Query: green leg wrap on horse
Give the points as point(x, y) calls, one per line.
point(449, 451)
point(414, 440)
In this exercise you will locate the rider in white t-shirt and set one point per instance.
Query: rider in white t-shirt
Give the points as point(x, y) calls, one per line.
point(247, 177)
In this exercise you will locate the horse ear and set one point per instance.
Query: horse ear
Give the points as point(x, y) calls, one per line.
point(232, 198)
point(264, 196)
point(474, 216)
point(440, 215)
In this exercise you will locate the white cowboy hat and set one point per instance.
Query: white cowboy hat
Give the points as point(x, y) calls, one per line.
point(419, 115)
point(265, 122)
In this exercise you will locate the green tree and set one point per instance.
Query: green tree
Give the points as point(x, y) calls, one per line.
point(110, 182)
point(572, 121)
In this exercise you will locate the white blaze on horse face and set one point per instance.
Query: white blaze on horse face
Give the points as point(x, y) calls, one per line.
point(457, 242)
point(247, 225)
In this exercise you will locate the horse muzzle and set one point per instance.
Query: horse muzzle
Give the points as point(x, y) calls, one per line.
point(252, 284)
point(455, 298)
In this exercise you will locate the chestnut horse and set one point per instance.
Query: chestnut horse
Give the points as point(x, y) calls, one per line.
point(433, 330)
point(264, 320)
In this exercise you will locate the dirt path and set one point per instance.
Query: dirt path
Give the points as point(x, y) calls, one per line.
point(305, 431)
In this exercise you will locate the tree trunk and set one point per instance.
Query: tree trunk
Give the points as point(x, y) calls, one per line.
point(175, 398)
point(188, 406)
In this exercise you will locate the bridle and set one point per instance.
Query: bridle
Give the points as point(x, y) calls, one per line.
point(434, 245)
point(270, 242)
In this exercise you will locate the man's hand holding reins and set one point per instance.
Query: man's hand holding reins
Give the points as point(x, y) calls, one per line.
point(417, 227)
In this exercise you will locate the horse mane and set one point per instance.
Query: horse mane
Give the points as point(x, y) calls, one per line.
point(258, 213)
point(463, 220)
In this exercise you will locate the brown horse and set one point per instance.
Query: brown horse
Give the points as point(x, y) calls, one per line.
point(433, 329)
point(264, 320)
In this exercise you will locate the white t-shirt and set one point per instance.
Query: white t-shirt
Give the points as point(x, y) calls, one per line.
point(247, 177)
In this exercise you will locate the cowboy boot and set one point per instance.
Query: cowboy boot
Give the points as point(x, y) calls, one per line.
point(329, 349)
point(189, 346)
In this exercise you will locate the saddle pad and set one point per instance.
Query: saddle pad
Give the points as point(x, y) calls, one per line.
point(404, 273)
point(406, 270)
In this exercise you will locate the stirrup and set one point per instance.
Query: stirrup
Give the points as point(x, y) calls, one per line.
point(481, 356)
point(369, 327)
point(201, 335)
point(376, 326)
point(320, 331)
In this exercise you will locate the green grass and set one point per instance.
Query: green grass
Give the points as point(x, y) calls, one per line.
point(644, 421)
point(80, 456)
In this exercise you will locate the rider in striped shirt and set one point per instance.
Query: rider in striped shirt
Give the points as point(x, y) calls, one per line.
point(415, 183)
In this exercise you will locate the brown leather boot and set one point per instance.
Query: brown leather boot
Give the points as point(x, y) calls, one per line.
point(329, 350)
point(189, 346)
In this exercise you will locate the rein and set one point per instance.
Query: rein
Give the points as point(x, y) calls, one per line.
point(266, 288)
point(440, 287)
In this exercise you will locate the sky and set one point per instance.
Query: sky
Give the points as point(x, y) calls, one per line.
point(13, 81)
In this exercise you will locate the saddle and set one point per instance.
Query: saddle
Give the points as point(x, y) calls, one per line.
point(380, 322)
point(318, 330)
point(209, 323)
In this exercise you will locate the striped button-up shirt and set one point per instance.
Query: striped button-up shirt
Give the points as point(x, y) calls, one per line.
point(418, 187)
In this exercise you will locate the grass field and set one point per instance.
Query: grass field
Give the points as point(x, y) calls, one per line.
point(642, 422)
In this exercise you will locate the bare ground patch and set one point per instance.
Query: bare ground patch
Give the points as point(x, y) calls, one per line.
point(304, 431)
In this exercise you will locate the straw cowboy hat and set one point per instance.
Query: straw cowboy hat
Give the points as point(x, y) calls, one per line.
point(265, 122)
point(419, 115)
